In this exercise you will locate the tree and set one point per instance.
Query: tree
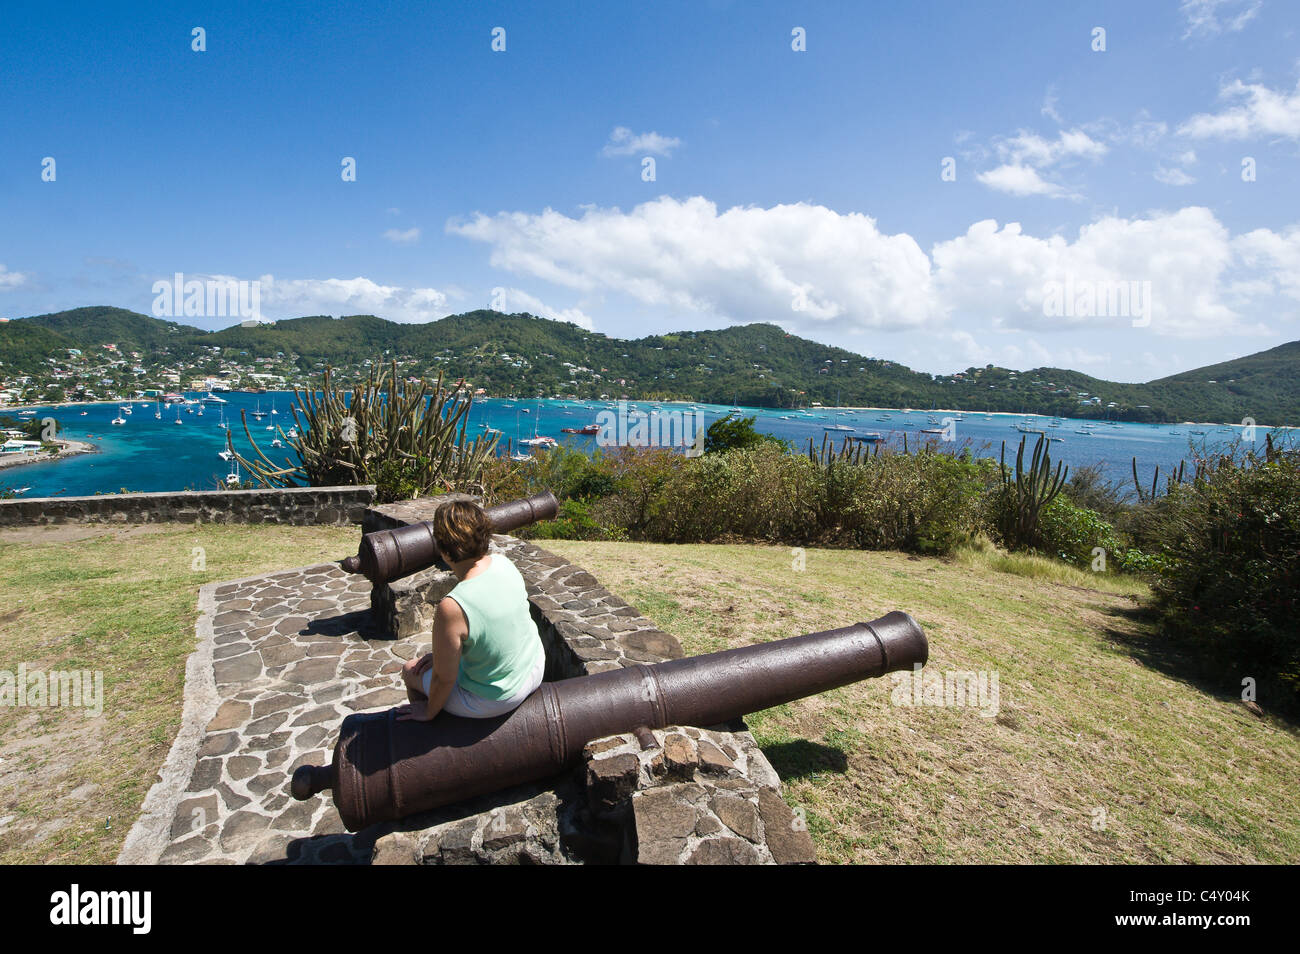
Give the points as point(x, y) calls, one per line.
point(735, 433)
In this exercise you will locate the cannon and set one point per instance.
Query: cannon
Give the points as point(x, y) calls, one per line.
point(392, 554)
point(384, 769)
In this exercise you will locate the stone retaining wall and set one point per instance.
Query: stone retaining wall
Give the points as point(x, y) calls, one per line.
point(298, 506)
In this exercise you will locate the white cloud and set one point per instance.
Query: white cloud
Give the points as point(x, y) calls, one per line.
point(1272, 258)
point(1173, 177)
point(1026, 154)
point(801, 263)
point(512, 300)
point(407, 237)
point(1034, 150)
point(1049, 106)
point(624, 142)
point(816, 271)
point(1259, 112)
point(293, 297)
point(1003, 276)
point(10, 279)
point(1018, 180)
point(1203, 16)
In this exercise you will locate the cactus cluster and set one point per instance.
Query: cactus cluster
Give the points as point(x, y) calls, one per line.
point(1027, 491)
point(359, 437)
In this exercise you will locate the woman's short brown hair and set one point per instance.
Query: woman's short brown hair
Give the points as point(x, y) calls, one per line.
point(462, 531)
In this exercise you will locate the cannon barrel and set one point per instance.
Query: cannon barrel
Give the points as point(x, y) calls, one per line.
point(392, 554)
point(384, 769)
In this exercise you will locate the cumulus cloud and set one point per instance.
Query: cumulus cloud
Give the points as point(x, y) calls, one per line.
point(815, 271)
point(624, 142)
point(10, 279)
point(1259, 111)
point(1006, 276)
point(1211, 17)
point(511, 300)
point(407, 237)
point(1019, 180)
point(292, 297)
point(800, 263)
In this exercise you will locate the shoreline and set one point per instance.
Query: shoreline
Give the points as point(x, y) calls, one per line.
point(6, 409)
point(67, 448)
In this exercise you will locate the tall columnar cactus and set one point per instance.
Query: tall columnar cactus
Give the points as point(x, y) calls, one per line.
point(388, 424)
point(1027, 491)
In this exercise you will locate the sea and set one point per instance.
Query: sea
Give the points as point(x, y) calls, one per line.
point(151, 452)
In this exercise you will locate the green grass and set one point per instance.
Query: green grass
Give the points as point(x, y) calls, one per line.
point(122, 602)
point(1093, 757)
point(1083, 727)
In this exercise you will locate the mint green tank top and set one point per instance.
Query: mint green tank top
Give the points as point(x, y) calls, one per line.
point(503, 644)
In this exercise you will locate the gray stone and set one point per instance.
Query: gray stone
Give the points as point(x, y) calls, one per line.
point(724, 851)
point(396, 848)
point(737, 814)
point(787, 838)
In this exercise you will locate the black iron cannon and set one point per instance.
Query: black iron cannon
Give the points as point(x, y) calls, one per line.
point(385, 769)
point(392, 554)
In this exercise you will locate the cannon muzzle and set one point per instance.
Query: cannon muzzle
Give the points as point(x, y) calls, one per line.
point(384, 769)
point(392, 554)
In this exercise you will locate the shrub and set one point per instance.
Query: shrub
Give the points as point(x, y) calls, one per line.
point(735, 433)
point(1073, 533)
point(1230, 586)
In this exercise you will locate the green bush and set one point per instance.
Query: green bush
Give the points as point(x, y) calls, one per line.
point(1072, 534)
point(1229, 589)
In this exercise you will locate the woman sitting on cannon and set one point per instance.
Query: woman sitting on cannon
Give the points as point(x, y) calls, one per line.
point(487, 654)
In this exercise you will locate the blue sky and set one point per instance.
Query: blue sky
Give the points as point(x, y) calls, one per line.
point(801, 187)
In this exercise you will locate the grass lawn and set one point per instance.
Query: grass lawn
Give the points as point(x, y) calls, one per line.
point(122, 601)
point(1095, 753)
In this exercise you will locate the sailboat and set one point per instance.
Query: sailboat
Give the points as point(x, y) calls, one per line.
point(178, 415)
point(536, 441)
point(158, 413)
point(232, 478)
point(222, 423)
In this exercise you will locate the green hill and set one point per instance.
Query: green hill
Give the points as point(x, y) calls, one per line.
point(754, 365)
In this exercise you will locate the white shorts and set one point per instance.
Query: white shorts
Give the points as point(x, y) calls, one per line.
point(462, 702)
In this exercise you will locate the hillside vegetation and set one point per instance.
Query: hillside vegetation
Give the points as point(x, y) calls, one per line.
point(756, 365)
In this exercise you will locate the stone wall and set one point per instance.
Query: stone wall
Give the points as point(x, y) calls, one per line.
point(299, 506)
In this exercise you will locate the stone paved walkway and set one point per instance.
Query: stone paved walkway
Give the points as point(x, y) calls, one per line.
point(284, 658)
point(291, 657)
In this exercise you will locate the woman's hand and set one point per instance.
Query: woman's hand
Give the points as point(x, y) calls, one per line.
point(426, 661)
point(413, 712)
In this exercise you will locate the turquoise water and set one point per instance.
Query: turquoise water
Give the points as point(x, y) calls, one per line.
point(149, 454)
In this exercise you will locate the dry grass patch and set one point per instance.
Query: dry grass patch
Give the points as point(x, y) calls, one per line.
point(1092, 756)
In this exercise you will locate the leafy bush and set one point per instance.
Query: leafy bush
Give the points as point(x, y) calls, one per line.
point(735, 433)
point(1230, 587)
point(1072, 534)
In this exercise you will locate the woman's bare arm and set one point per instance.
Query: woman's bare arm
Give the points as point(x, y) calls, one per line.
point(449, 631)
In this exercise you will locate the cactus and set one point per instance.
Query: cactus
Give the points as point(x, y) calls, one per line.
point(1032, 489)
point(388, 424)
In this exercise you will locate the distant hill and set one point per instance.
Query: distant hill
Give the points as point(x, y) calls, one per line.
point(755, 365)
